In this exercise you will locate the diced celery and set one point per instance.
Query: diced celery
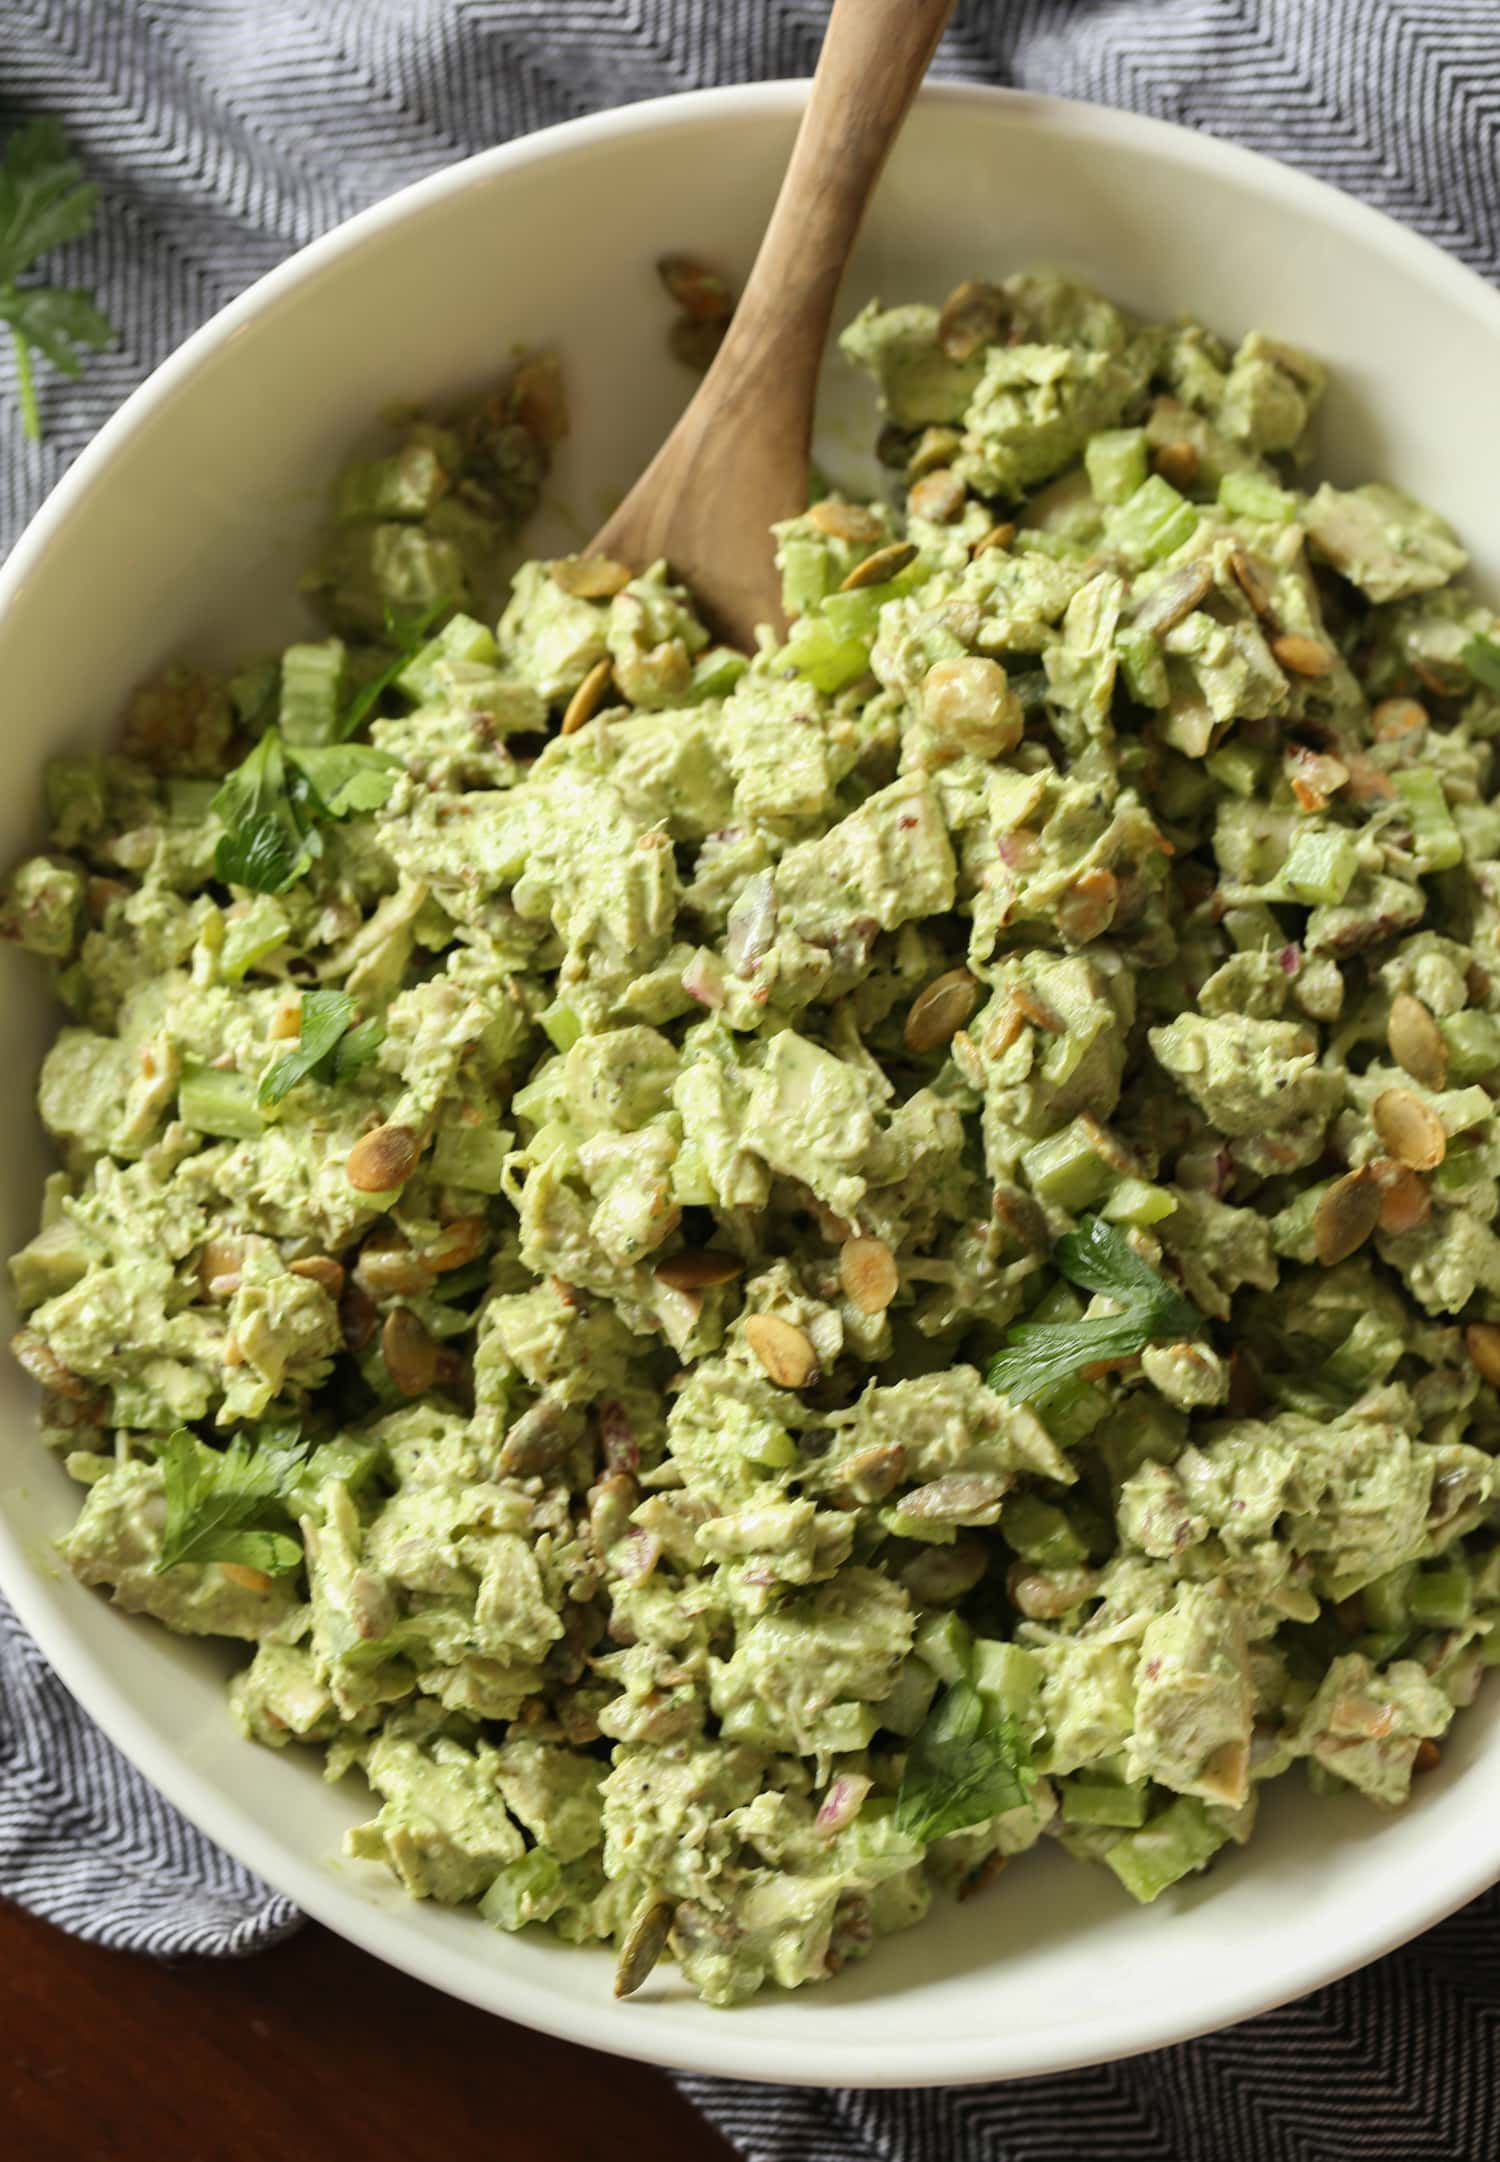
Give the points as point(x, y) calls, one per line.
point(405, 485)
point(1438, 843)
point(1463, 1166)
point(462, 638)
point(1155, 522)
point(1039, 1531)
point(249, 937)
point(526, 1890)
point(1473, 1040)
point(1251, 495)
point(1238, 766)
point(806, 573)
point(827, 659)
point(1065, 1169)
point(1489, 1646)
point(1144, 666)
point(1071, 1409)
point(1253, 928)
point(1059, 1302)
point(898, 1525)
point(1115, 461)
point(1007, 1677)
point(692, 1187)
point(845, 1726)
point(909, 1701)
point(766, 1443)
point(1103, 1801)
point(561, 1025)
point(471, 1156)
point(1380, 1645)
point(1441, 1597)
point(1172, 1845)
point(355, 1462)
point(1136, 1201)
point(946, 1644)
point(312, 691)
point(715, 674)
point(555, 1142)
point(1384, 1600)
point(253, 693)
point(1320, 866)
point(213, 1102)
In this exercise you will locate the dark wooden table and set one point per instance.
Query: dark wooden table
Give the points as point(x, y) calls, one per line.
point(311, 2053)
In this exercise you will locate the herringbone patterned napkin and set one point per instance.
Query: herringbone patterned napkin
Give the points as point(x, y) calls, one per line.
point(225, 133)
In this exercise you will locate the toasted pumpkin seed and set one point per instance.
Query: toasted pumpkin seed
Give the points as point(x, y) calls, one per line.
point(1087, 909)
point(884, 564)
point(323, 1270)
point(1177, 596)
point(1049, 1594)
point(41, 1362)
point(457, 1244)
point(939, 495)
point(934, 447)
point(590, 578)
point(1404, 1199)
point(1302, 656)
point(1346, 1215)
point(237, 1572)
point(959, 1497)
point(219, 1267)
point(1251, 578)
point(1416, 1042)
point(945, 1574)
point(1410, 1129)
point(998, 536)
point(359, 1317)
point(1177, 463)
point(695, 341)
point(644, 1944)
point(388, 1269)
point(409, 1353)
point(974, 314)
point(870, 1474)
point(868, 1273)
point(1428, 1757)
point(383, 1160)
point(785, 1351)
point(1395, 719)
point(698, 1269)
point(852, 522)
point(538, 1441)
point(940, 1010)
point(1482, 1342)
point(700, 292)
point(588, 698)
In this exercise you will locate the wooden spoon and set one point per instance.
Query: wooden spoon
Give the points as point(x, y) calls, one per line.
point(737, 460)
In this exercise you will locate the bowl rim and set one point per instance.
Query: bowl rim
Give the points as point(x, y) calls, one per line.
point(1411, 1905)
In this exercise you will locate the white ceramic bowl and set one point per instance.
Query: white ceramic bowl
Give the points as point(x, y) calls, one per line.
point(183, 525)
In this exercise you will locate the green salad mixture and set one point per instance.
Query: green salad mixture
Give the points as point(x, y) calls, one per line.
point(759, 1282)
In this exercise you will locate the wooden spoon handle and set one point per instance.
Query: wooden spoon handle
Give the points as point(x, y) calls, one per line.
point(875, 53)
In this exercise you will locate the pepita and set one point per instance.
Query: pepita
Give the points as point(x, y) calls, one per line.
point(1087, 909)
point(590, 578)
point(381, 1161)
point(1410, 1129)
point(939, 495)
point(1302, 656)
point(869, 1274)
point(883, 565)
point(1251, 578)
point(1345, 1216)
point(409, 1353)
point(959, 1497)
point(644, 1944)
point(588, 698)
point(974, 314)
point(1177, 463)
point(41, 1362)
point(323, 1270)
point(1482, 1342)
point(1404, 1199)
point(1177, 596)
point(934, 447)
point(851, 522)
point(1395, 720)
point(998, 536)
point(785, 1351)
point(940, 1010)
point(1416, 1042)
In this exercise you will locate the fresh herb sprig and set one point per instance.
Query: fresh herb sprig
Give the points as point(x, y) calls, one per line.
point(273, 803)
point(407, 631)
point(966, 1764)
point(231, 1504)
point(331, 1045)
point(44, 202)
point(1037, 1355)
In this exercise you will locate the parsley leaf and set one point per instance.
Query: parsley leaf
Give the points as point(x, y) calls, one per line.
point(271, 804)
point(231, 1504)
point(407, 632)
point(964, 1767)
point(1037, 1355)
point(329, 1045)
point(44, 201)
point(1481, 656)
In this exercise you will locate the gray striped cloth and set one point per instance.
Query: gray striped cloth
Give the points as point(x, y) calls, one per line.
point(225, 133)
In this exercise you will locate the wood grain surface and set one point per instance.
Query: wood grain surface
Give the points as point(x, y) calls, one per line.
point(311, 2053)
